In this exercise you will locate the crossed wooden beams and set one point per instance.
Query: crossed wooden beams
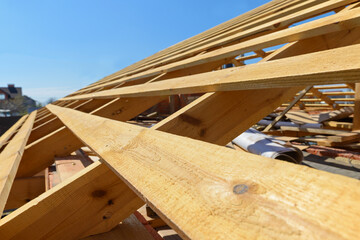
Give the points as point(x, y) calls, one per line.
point(202, 190)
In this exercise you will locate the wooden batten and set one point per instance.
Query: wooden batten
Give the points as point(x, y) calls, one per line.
point(179, 166)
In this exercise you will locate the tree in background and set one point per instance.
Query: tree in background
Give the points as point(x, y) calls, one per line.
point(50, 100)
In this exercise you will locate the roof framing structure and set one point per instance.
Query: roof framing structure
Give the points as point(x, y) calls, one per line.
point(180, 166)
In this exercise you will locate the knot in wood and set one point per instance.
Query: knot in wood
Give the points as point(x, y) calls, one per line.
point(240, 189)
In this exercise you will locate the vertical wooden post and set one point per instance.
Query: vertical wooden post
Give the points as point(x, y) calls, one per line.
point(356, 121)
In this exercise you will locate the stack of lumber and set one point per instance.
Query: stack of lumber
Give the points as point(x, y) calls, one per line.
point(179, 166)
point(326, 128)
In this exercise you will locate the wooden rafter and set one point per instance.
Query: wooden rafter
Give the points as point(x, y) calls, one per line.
point(10, 158)
point(157, 154)
point(201, 190)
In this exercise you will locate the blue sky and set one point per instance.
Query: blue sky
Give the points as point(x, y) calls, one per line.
point(54, 47)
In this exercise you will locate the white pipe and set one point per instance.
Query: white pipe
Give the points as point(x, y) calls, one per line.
point(258, 143)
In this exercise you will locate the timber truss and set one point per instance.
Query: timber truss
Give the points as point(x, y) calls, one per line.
point(180, 167)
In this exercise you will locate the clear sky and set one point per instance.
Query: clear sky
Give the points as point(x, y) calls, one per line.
point(54, 47)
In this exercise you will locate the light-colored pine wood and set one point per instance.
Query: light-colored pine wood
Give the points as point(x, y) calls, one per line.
point(83, 204)
point(287, 109)
point(10, 132)
point(301, 117)
point(220, 186)
point(129, 229)
point(312, 29)
point(338, 125)
point(191, 183)
point(324, 98)
point(330, 66)
point(356, 120)
point(24, 190)
point(271, 21)
point(61, 142)
point(275, 23)
point(313, 131)
point(219, 117)
point(336, 115)
point(10, 159)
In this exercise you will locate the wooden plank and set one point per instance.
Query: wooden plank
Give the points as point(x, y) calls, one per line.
point(351, 86)
point(24, 190)
point(10, 159)
point(218, 130)
point(236, 122)
point(230, 184)
point(219, 117)
point(269, 17)
point(324, 98)
point(153, 222)
point(287, 109)
point(336, 115)
point(301, 117)
point(304, 31)
point(345, 137)
point(54, 123)
point(334, 93)
point(331, 65)
point(337, 86)
point(130, 228)
point(313, 130)
point(356, 120)
point(222, 135)
point(40, 154)
point(169, 125)
point(85, 203)
point(222, 27)
point(278, 22)
point(338, 125)
point(324, 105)
point(10, 132)
point(188, 42)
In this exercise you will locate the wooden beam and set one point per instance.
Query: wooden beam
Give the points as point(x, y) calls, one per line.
point(130, 228)
point(54, 123)
point(24, 190)
point(91, 200)
point(277, 23)
point(10, 159)
point(230, 124)
point(356, 121)
point(330, 24)
point(61, 142)
point(338, 125)
point(351, 86)
point(331, 65)
point(241, 99)
point(229, 183)
point(312, 131)
point(326, 99)
point(282, 114)
point(10, 132)
point(219, 117)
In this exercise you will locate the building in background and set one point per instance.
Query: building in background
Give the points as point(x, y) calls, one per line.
point(14, 103)
point(10, 92)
